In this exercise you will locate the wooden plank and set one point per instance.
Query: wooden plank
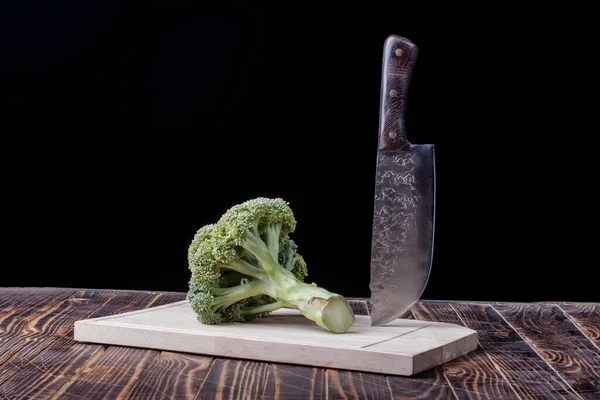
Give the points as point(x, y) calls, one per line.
point(19, 304)
point(47, 325)
point(168, 298)
point(235, 379)
point(402, 347)
point(172, 376)
point(295, 382)
point(47, 373)
point(21, 324)
point(29, 297)
point(110, 376)
point(527, 374)
point(587, 317)
point(428, 385)
point(44, 372)
point(53, 343)
point(116, 302)
point(476, 373)
point(559, 342)
point(356, 385)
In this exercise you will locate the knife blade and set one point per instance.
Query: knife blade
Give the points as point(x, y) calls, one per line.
point(404, 204)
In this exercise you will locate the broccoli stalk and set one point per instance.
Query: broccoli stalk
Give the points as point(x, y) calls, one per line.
point(245, 266)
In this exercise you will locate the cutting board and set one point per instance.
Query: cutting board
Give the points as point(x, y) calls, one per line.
point(402, 347)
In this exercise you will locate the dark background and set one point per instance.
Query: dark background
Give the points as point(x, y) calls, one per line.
point(125, 128)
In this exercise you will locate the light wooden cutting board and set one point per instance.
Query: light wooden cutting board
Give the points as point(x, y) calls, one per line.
point(402, 347)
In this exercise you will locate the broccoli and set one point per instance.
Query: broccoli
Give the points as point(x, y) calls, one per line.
point(245, 266)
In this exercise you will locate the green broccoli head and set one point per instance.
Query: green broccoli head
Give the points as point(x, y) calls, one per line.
point(245, 266)
point(212, 308)
point(209, 254)
point(201, 297)
point(257, 214)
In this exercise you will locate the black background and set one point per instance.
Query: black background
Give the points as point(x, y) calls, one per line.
point(125, 128)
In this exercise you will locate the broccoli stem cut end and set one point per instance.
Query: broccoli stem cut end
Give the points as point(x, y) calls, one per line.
point(336, 314)
point(329, 310)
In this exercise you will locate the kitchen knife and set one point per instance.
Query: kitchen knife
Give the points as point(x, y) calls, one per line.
point(404, 206)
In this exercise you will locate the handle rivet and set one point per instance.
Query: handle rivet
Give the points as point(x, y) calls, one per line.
point(393, 93)
point(392, 134)
point(399, 52)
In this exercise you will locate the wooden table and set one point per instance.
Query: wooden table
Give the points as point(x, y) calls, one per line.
point(542, 350)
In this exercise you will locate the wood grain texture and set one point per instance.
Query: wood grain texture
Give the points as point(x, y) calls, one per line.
point(19, 310)
point(51, 370)
point(22, 299)
point(235, 379)
point(587, 317)
point(527, 374)
point(475, 375)
point(29, 331)
point(52, 365)
point(49, 364)
point(559, 342)
point(172, 376)
point(112, 375)
point(168, 298)
point(429, 385)
point(295, 382)
point(117, 302)
point(356, 385)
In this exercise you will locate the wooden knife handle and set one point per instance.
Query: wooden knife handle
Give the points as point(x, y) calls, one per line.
point(399, 57)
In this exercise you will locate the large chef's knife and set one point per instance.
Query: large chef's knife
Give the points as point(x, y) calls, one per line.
point(403, 219)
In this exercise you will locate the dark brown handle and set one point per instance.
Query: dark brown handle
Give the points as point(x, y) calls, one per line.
point(399, 57)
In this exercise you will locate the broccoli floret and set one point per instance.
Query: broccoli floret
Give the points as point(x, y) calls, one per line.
point(245, 266)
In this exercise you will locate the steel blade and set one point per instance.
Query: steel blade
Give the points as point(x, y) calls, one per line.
point(403, 230)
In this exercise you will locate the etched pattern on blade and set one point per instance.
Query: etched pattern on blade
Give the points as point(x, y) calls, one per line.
point(402, 230)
